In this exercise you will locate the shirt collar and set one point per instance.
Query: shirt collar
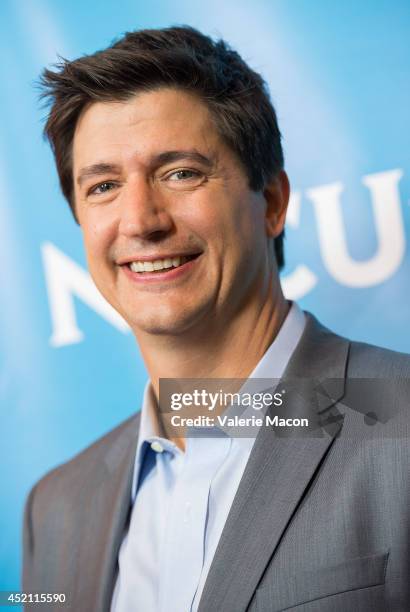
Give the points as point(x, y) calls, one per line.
point(270, 368)
point(272, 365)
point(276, 358)
point(150, 430)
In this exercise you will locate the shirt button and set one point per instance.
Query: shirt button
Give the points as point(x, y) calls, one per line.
point(157, 447)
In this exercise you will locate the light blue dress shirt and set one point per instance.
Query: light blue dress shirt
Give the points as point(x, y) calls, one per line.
point(181, 500)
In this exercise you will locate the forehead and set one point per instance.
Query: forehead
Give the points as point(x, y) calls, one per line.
point(163, 119)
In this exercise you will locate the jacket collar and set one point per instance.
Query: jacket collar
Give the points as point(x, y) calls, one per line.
point(279, 472)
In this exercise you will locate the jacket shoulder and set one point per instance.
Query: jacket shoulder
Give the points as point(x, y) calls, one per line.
point(322, 353)
point(369, 361)
point(70, 475)
point(59, 503)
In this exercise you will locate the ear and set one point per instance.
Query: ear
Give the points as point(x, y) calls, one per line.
point(276, 195)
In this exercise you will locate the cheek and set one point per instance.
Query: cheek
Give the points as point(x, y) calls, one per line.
point(201, 222)
point(247, 223)
point(99, 226)
point(255, 221)
point(97, 243)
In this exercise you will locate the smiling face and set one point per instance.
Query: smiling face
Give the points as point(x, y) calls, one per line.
point(174, 237)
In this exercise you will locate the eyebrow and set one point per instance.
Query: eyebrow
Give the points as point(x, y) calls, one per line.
point(96, 170)
point(166, 157)
point(171, 156)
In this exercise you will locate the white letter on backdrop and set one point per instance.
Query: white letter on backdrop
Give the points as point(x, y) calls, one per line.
point(66, 279)
point(385, 197)
point(302, 280)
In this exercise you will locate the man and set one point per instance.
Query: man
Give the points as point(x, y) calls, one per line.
point(169, 154)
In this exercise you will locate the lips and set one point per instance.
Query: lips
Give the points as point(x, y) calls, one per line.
point(160, 264)
point(148, 271)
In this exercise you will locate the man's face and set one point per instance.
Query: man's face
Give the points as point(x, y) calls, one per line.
point(156, 187)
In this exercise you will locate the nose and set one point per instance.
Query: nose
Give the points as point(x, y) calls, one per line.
point(143, 212)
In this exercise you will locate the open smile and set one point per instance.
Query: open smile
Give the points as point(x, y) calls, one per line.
point(167, 268)
point(158, 265)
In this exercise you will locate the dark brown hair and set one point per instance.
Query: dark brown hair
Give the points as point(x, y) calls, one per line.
point(178, 57)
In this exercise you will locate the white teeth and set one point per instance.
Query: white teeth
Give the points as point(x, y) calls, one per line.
point(158, 264)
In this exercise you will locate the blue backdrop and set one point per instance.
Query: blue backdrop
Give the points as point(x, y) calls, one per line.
point(339, 77)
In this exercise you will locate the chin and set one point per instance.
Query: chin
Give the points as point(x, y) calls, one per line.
point(166, 323)
point(159, 328)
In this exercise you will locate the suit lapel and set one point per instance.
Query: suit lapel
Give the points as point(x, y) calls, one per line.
point(118, 490)
point(278, 474)
point(101, 535)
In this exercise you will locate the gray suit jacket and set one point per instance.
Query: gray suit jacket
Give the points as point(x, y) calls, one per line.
point(319, 523)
